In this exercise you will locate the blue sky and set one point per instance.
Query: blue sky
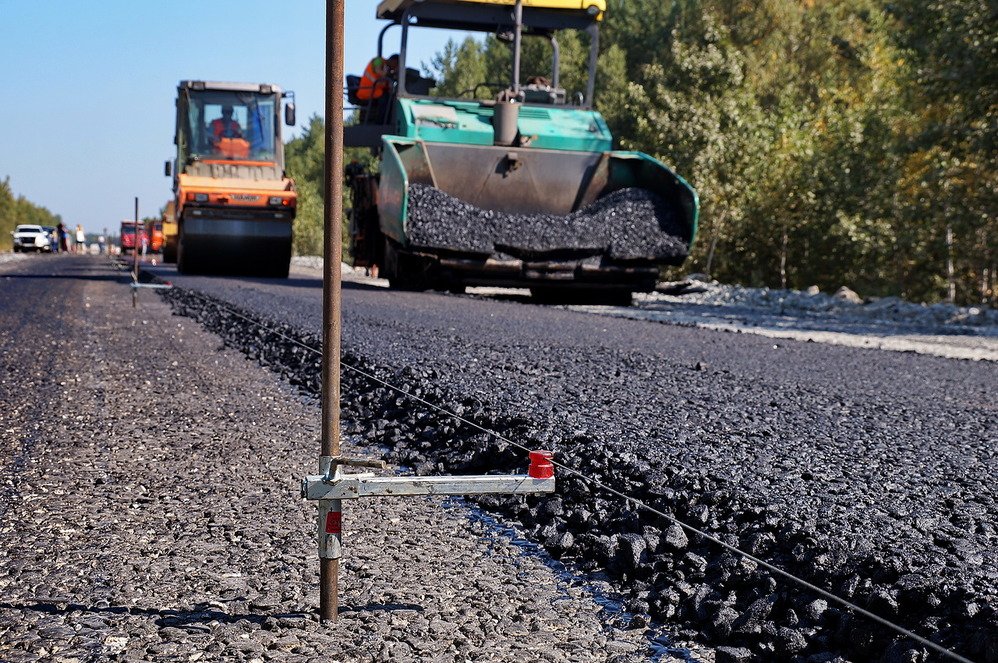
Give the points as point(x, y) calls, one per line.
point(87, 118)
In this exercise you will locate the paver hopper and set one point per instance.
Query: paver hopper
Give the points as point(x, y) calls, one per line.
point(520, 190)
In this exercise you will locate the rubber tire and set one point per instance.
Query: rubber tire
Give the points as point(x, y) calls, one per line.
point(184, 264)
point(400, 275)
point(170, 252)
point(566, 296)
point(278, 266)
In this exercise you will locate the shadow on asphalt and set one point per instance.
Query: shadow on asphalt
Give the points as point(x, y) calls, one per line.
point(502, 297)
point(167, 617)
point(383, 607)
point(63, 276)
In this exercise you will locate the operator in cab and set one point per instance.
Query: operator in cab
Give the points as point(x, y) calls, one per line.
point(225, 126)
point(226, 136)
point(376, 85)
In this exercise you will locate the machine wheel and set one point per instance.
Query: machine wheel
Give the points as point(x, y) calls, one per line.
point(278, 271)
point(593, 296)
point(404, 271)
point(170, 251)
point(277, 267)
point(184, 263)
point(610, 297)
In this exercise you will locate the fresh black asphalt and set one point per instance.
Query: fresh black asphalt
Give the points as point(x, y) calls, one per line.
point(869, 473)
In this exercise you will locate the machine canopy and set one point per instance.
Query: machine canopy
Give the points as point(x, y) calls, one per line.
point(593, 9)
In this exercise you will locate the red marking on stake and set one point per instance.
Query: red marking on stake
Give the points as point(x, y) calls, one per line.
point(334, 522)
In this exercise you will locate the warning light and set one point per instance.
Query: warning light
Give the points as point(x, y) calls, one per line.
point(540, 465)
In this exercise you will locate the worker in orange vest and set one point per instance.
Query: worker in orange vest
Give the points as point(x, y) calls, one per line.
point(376, 79)
point(225, 126)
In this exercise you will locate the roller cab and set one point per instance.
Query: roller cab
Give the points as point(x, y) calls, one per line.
point(517, 187)
point(234, 207)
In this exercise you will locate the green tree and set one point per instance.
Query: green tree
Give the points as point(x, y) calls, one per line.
point(949, 144)
point(8, 216)
point(19, 210)
point(846, 142)
point(459, 68)
point(305, 163)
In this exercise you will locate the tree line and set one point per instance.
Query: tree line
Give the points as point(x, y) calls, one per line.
point(843, 142)
point(17, 210)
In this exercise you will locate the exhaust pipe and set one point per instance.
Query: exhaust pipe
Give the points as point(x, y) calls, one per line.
point(504, 122)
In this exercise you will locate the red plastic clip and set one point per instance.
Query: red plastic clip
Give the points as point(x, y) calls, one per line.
point(334, 522)
point(540, 465)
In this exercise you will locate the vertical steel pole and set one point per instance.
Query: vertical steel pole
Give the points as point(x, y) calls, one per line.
point(332, 256)
point(517, 44)
point(135, 256)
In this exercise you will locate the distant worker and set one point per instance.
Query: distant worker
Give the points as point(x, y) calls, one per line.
point(101, 244)
point(81, 239)
point(63, 242)
point(225, 126)
point(376, 85)
point(377, 78)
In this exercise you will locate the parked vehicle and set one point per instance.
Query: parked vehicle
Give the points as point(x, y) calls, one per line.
point(154, 230)
point(53, 238)
point(31, 238)
point(128, 239)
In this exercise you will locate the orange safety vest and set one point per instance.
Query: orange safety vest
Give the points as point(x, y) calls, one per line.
point(373, 84)
point(219, 130)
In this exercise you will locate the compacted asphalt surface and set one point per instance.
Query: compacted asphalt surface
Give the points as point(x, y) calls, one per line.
point(869, 473)
point(150, 510)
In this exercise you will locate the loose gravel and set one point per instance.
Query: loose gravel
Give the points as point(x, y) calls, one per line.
point(11, 257)
point(866, 473)
point(149, 510)
point(844, 304)
point(842, 318)
point(628, 224)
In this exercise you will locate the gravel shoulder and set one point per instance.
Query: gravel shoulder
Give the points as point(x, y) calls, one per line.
point(833, 326)
point(150, 510)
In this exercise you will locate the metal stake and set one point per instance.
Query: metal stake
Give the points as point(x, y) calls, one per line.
point(517, 44)
point(135, 256)
point(329, 510)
